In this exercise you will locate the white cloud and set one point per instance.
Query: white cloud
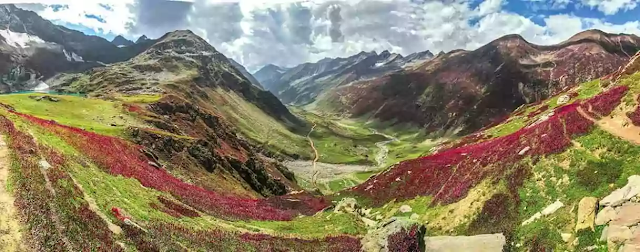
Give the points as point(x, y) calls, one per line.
point(289, 32)
point(611, 7)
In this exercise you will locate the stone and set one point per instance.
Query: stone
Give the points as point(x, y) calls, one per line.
point(618, 234)
point(524, 150)
point(565, 237)
point(44, 164)
point(405, 209)
point(563, 99)
point(586, 213)
point(346, 205)
point(605, 215)
point(376, 238)
point(414, 217)
point(546, 211)
point(619, 196)
point(628, 215)
point(603, 236)
point(478, 243)
point(368, 222)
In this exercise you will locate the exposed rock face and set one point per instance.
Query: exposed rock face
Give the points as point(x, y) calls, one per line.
point(586, 213)
point(304, 83)
point(623, 194)
point(212, 145)
point(33, 49)
point(469, 89)
point(245, 73)
point(480, 243)
point(605, 215)
point(628, 215)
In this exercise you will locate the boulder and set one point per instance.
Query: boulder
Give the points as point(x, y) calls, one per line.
point(346, 205)
point(603, 236)
point(619, 196)
point(546, 211)
point(478, 243)
point(586, 213)
point(563, 99)
point(388, 235)
point(605, 215)
point(405, 209)
point(628, 215)
point(618, 234)
point(565, 237)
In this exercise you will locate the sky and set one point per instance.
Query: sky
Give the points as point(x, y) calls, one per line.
point(289, 32)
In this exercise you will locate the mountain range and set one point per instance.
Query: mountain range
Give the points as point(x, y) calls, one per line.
point(169, 145)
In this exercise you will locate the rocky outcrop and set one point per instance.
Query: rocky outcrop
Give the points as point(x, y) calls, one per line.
point(550, 209)
point(623, 194)
point(395, 235)
point(621, 214)
point(479, 243)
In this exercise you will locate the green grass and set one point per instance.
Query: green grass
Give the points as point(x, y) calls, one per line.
point(90, 114)
point(319, 225)
point(140, 98)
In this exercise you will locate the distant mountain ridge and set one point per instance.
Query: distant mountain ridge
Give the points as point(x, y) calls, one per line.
point(466, 90)
point(120, 41)
point(304, 83)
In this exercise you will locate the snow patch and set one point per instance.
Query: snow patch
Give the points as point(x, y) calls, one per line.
point(72, 56)
point(41, 87)
point(19, 40)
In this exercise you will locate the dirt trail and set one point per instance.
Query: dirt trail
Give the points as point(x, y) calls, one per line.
point(315, 159)
point(10, 235)
point(94, 207)
point(615, 126)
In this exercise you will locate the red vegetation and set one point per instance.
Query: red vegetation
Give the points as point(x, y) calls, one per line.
point(406, 240)
point(635, 114)
point(132, 108)
point(538, 111)
point(449, 174)
point(55, 213)
point(119, 157)
point(177, 208)
point(604, 103)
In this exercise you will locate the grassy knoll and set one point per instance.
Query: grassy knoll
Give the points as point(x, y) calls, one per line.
point(92, 114)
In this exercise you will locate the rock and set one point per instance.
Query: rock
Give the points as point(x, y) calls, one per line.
point(618, 234)
point(586, 213)
point(44, 164)
point(523, 151)
point(378, 238)
point(619, 196)
point(603, 236)
point(346, 205)
point(478, 243)
point(405, 209)
point(154, 164)
point(368, 222)
point(546, 211)
point(563, 99)
point(628, 215)
point(414, 217)
point(565, 237)
point(605, 215)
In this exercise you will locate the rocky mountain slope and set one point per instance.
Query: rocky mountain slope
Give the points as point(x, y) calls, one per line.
point(467, 90)
point(304, 83)
point(33, 49)
point(245, 73)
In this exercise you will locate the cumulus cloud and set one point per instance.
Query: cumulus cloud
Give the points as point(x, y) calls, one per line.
point(611, 7)
point(289, 32)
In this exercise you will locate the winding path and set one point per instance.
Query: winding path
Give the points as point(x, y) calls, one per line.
point(10, 235)
point(314, 178)
point(614, 126)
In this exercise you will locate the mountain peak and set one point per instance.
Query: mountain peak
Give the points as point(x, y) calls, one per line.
point(593, 34)
point(142, 39)
point(121, 41)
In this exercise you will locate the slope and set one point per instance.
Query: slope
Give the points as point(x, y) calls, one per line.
point(463, 91)
point(302, 84)
point(528, 176)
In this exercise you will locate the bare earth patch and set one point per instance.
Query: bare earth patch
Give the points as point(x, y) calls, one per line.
point(10, 235)
point(615, 125)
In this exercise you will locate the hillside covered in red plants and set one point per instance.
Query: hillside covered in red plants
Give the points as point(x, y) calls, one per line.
point(468, 90)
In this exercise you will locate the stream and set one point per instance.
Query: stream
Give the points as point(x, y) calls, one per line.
point(384, 150)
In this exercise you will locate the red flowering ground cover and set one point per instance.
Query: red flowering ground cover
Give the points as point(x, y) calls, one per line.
point(120, 157)
point(604, 103)
point(57, 218)
point(411, 239)
point(449, 174)
point(635, 114)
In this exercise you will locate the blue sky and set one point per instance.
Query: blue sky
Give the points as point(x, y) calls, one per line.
point(289, 32)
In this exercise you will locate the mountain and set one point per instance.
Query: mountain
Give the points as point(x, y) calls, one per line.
point(33, 49)
point(467, 90)
point(245, 73)
point(142, 39)
point(304, 83)
point(120, 41)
